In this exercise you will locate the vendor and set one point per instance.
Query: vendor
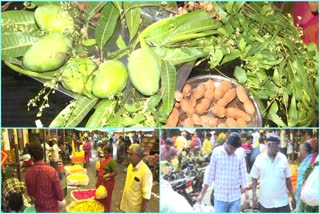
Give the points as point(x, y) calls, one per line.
point(106, 176)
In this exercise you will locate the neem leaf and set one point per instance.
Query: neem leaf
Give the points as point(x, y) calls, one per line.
point(240, 74)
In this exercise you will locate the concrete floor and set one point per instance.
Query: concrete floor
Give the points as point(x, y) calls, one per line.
point(117, 192)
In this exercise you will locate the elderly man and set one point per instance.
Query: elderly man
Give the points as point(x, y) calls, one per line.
point(137, 189)
point(42, 182)
point(227, 169)
point(273, 170)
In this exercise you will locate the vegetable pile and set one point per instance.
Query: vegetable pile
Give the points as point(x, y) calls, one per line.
point(124, 65)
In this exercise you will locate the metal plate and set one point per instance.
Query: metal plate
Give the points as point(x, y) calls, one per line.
point(256, 119)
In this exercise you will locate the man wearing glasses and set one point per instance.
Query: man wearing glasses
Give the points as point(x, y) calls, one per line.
point(273, 170)
point(227, 169)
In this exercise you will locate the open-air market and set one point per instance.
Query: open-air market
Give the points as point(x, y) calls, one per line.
point(65, 170)
point(247, 170)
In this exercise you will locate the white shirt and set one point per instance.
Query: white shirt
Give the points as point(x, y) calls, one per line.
point(272, 177)
point(55, 153)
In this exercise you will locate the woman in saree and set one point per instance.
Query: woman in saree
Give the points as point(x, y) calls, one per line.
point(106, 176)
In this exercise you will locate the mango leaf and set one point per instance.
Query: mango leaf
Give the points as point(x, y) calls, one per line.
point(74, 113)
point(18, 18)
point(106, 25)
point(92, 9)
point(153, 102)
point(293, 113)
point(104, 110)
point(237, 6)
point(128, 121)
point(229, 6)
point(132, 16)
point(240, 74)
point(178, 56)
point(168, 81)
point(41, 3)
point(160, 32)
point(15, 44)
point(120, 42)
point(118, 5)
point(16, 65)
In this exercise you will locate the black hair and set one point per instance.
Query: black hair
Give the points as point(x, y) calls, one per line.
point(307, 147)
point(108, 148)
point(36, 151)
point(234, 139)
point(15, 200)
point(249, 137)
point(209, 134)
point(169, 141)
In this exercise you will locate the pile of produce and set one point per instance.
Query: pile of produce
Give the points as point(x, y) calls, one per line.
point(83, 194)
point(78, 179)
point(85, 206)
point(124, 65)
point(74, 169)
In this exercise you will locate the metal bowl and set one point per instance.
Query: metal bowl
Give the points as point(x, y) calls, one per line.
point(256, 119)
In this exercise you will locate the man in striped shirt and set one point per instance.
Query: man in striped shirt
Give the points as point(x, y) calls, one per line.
point(227, 169)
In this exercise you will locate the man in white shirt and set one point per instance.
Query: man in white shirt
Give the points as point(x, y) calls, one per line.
point(273, 170)
point(55, 155)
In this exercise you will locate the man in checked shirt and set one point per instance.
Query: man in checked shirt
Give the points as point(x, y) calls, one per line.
point(227, 169)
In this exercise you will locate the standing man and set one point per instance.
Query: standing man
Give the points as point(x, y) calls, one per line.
point(168, 151)
point(273, 170)
point(42, 182)
point(181, 141)
point(207, 146)
point(137, 189)
point(247, 146)
point(54, 154)
point(227, 169)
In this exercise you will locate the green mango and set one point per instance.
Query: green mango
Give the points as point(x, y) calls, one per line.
point(144, 71)
point(76, 73)
point(53, 18)
point(48, 53)
point(110, 79)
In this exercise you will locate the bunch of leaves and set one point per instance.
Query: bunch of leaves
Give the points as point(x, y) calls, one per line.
point(279, 70)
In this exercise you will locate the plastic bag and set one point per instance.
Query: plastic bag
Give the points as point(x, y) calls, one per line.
point(310, 188)
point(101, 192)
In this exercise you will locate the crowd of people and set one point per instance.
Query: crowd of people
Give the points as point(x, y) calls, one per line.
point(43, 186)
point(263, 155)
